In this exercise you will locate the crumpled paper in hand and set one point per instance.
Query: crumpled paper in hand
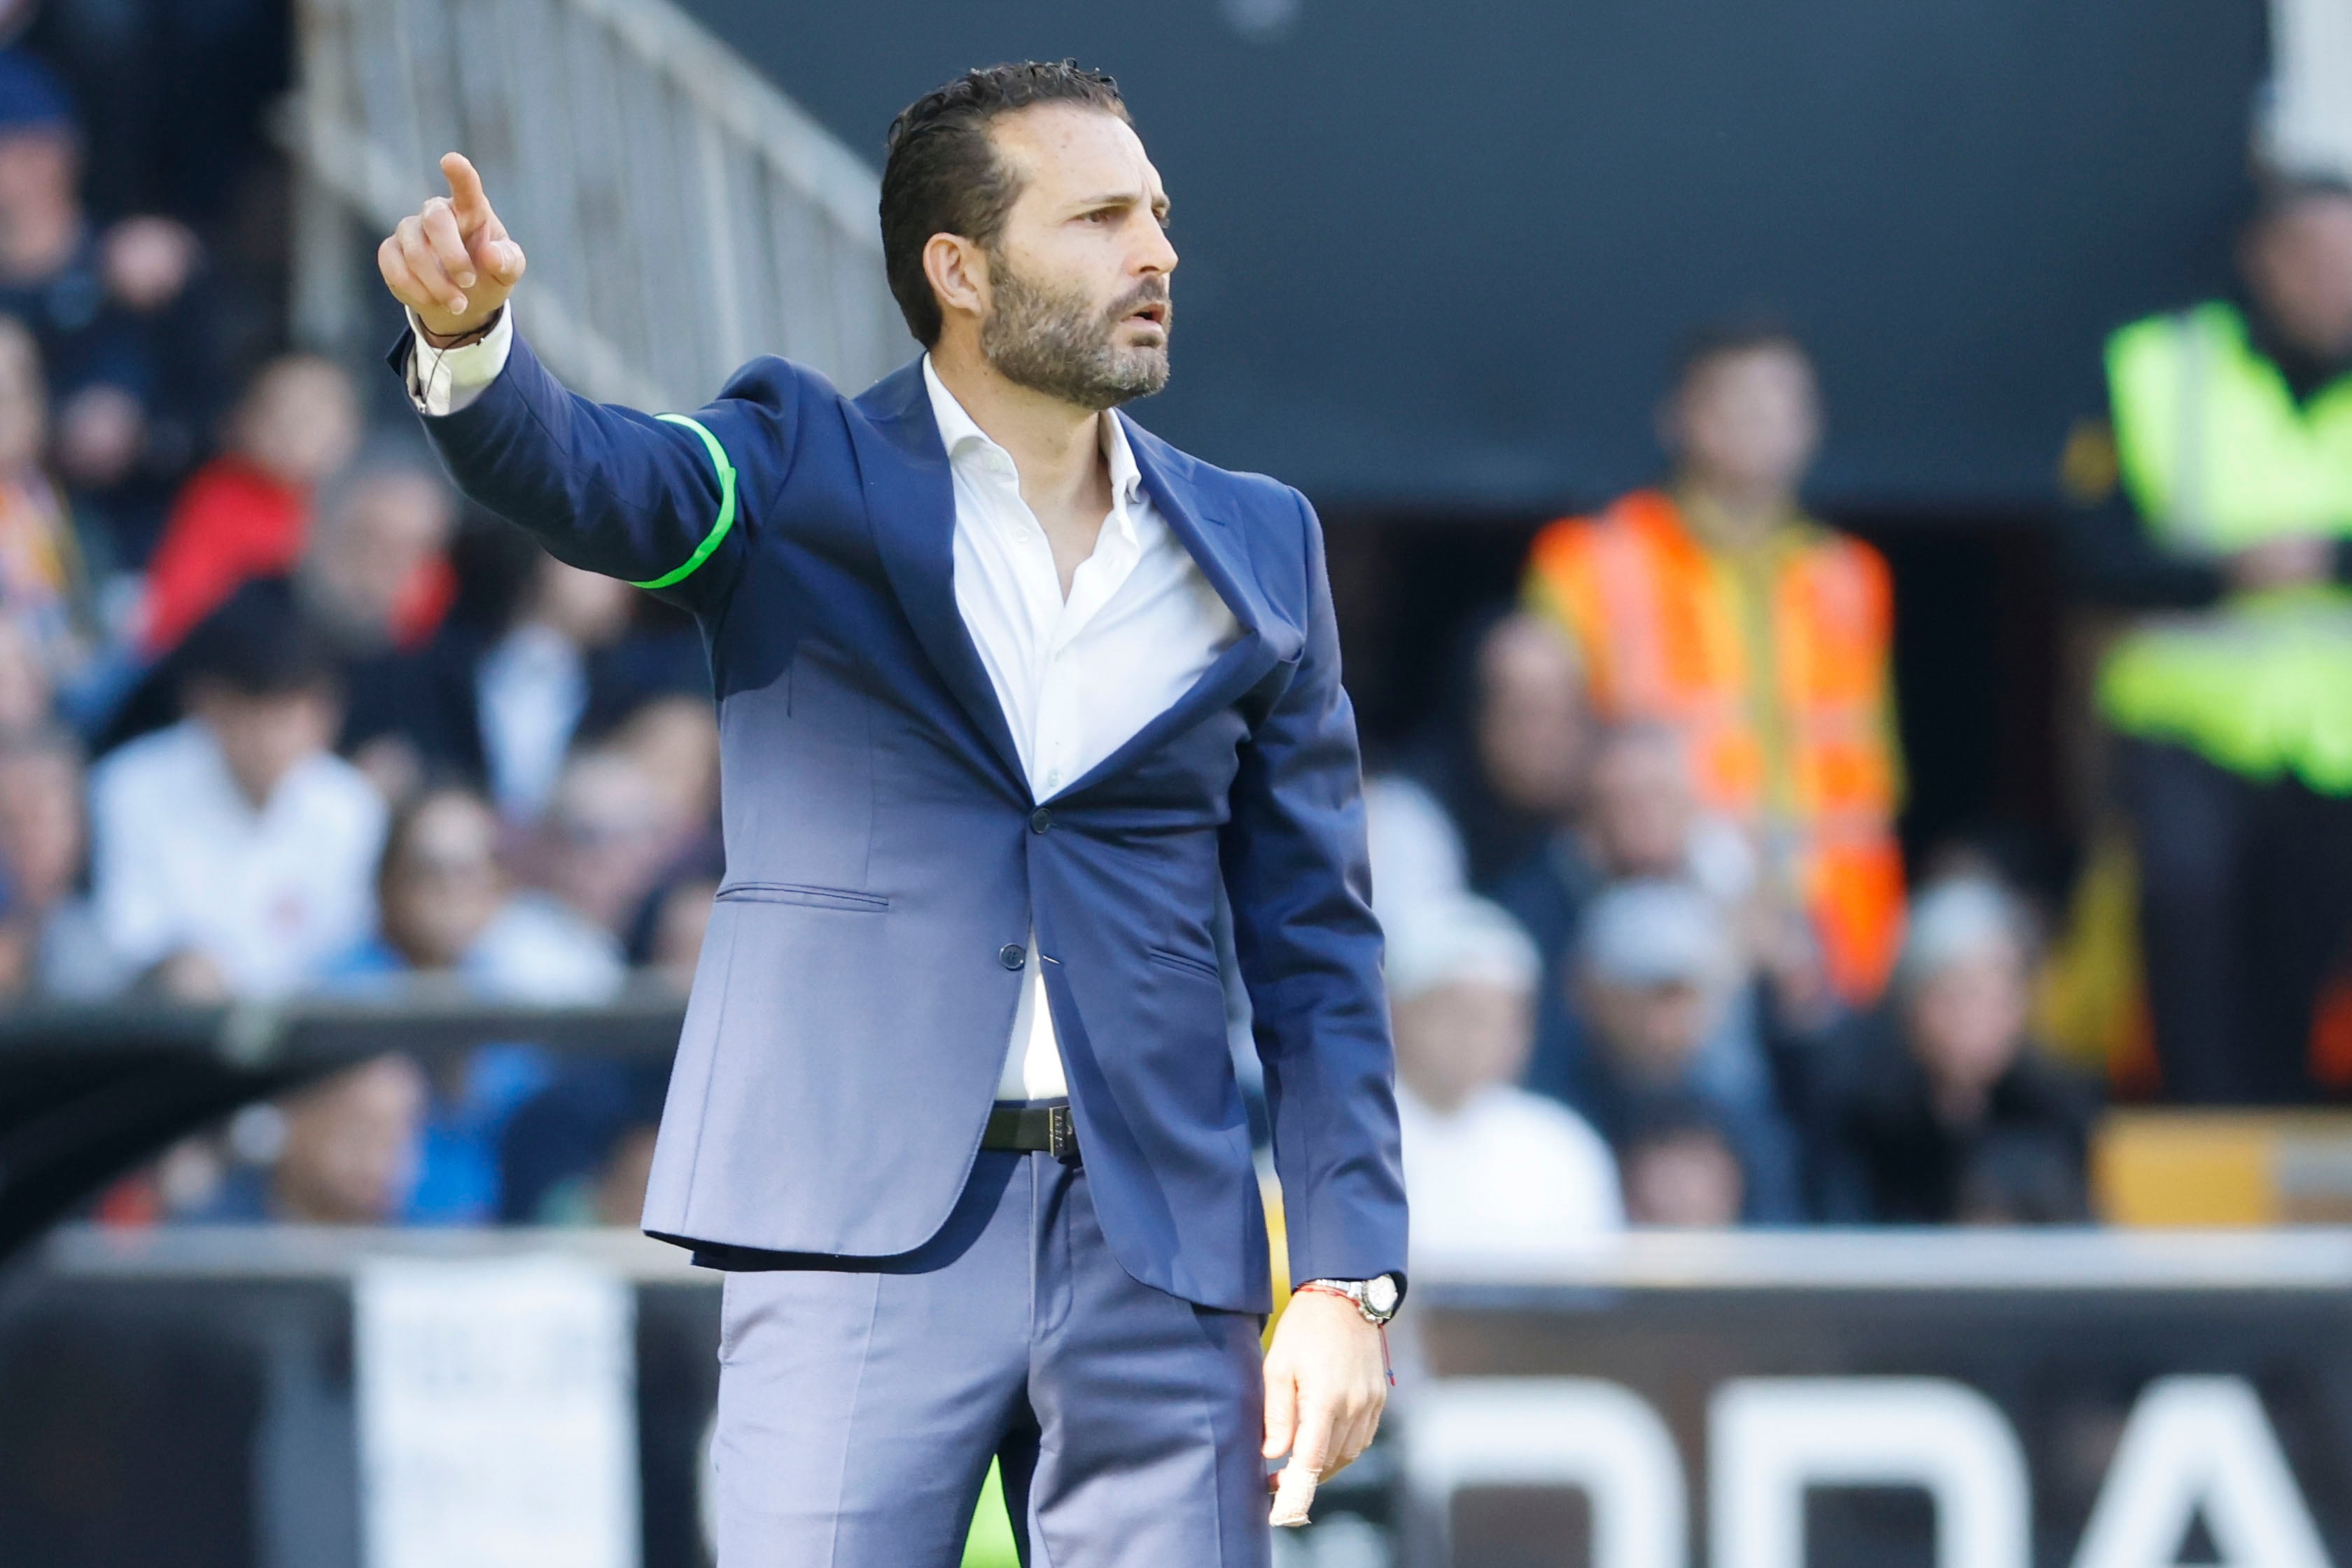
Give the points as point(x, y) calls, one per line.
point(1294, 1494)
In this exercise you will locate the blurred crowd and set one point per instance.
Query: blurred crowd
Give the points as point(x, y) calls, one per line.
point(1652, 957)
point(1652, 931)
point(280, 716)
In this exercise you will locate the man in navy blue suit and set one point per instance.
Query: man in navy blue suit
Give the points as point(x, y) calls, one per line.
point(1010, 691)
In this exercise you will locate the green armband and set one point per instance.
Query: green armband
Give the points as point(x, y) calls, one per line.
point(726, 507)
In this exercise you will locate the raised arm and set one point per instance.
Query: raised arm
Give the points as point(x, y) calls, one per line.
point(660, 502)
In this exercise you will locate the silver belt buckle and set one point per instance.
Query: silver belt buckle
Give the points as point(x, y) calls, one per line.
point(1061, 1134)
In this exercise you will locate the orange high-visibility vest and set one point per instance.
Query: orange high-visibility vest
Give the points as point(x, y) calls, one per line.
point(1804, 757)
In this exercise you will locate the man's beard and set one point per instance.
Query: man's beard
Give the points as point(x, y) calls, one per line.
point(1059, 345)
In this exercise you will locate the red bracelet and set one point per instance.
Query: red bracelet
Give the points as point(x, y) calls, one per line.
point(1321, 1289)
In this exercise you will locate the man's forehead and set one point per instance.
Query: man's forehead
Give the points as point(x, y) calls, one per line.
point(1072, 151)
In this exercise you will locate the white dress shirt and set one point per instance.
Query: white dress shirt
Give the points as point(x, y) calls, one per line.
point(1076, 677)
point(182, 860)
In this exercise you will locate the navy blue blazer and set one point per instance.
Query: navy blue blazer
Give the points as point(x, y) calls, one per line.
point(886, 859)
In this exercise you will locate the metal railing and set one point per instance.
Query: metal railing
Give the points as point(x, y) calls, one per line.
point(681, 215)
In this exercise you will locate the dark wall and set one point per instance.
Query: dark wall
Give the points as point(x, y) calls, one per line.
point(1434, 255)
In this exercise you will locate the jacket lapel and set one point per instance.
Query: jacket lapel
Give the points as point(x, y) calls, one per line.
point(910, 498)
point(1222, 554)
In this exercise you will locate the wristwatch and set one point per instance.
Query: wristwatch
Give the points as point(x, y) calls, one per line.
point(1377, 1298)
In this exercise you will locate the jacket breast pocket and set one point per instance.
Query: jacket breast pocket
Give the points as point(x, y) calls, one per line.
point(797, 893)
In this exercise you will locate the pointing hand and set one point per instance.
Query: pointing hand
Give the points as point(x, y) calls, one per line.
point(451, 262)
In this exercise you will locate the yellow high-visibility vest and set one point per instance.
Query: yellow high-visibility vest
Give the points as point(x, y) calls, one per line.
point(2216, 454)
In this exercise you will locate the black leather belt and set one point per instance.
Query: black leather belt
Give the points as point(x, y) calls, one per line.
point(1033, 1129)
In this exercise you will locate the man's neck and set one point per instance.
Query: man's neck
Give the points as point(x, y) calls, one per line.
point(1731, 516)
point(1057, 446)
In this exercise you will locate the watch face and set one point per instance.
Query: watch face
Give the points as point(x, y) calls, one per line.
point(1380, 1294)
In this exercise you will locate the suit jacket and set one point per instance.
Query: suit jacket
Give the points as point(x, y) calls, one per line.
point(886, 860)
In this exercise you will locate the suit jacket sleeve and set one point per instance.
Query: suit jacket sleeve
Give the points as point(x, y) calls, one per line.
point(662, 501)
point(1299, 882)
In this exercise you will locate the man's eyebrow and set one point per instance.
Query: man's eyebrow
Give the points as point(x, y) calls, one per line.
point(1159, 205)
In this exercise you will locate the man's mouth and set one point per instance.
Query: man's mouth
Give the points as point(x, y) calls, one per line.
point(1152, 312)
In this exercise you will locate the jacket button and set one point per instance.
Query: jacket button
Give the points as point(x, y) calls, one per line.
point(1012, 955)
point(1040, 820)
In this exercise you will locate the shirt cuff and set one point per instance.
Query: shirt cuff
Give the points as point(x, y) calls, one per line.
point(443, 381)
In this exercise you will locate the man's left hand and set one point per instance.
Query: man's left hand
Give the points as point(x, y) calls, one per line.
point(1326, 1384)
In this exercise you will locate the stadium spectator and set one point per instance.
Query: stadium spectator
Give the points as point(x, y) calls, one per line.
point(2021, 1178)
point(1717, 608)
point(533, 685)
point(234, 839)
point(348, 1152)
point(674, 739)
point(43, 587)
point(449, 912)
point(606, 839)
point(125, 337)
point(1639, 820)
point(248, 513)
point(1942, 1106)
point(378, 581)
point(1505, 757)
point(51, 945)
point(504, 706)
point(665, 938)
point(1679, 1168)
point(1489, 1167)
point(681, 916)
point(2218, 495)
point(1642, 819)
point(581, 1151)
point(450, 918)
point(1414, 851)
point(377, 578)
point(1656, 980)
point(26, 695)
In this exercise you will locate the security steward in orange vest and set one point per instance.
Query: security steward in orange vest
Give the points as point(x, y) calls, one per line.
point(1717, 608)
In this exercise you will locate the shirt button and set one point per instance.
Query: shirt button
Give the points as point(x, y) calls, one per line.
point(1013, 955)
point(1040, 820)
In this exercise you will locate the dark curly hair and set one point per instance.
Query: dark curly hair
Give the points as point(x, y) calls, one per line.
point(942, 174)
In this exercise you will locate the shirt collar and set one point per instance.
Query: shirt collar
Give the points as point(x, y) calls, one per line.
point(963, 436)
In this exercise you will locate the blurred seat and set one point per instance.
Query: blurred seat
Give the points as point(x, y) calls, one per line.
point(2223, 1167)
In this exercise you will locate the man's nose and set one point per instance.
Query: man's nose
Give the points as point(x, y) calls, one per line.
point(1158, 255)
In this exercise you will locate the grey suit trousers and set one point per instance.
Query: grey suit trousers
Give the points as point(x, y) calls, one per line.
point(858, 1410)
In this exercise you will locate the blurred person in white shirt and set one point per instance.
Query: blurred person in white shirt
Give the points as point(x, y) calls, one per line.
point(1489, 1167)
point(233, 851)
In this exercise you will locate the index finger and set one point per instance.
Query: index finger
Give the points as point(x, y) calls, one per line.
point(1312, 1446)
point(465, 187)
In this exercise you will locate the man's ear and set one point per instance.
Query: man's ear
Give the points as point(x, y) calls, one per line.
point(958, 271)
